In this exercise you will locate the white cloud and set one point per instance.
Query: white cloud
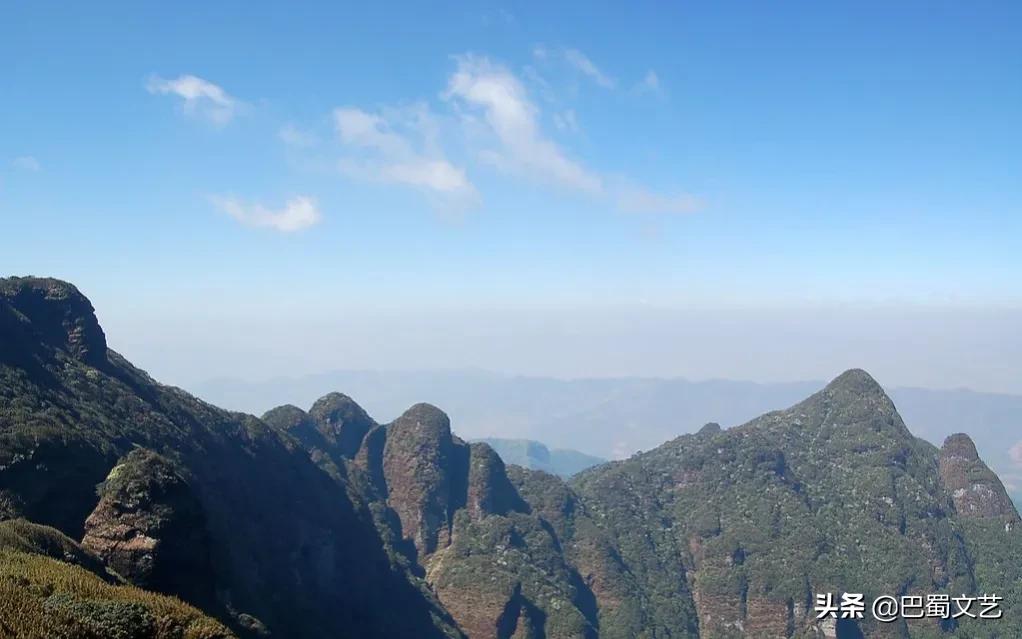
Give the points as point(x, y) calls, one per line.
point(487, 117)
point(292, 135)
point(566, 121)
point(635, 199)
point(494, 93)
point(199, 97)
point(400, 146)
point(367, 130)
point(297, 213)
point(582, 63)
point(26, 163)
point(650, 83)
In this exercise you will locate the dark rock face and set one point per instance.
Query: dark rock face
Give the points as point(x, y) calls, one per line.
point(300, 425)
point(454, 511)
point(421, 466)
point(976, 491)
point(150, 528)
point(489, 490)
point(294, 421)
point(428, 475)
point(327, 524)
point(342, 422)
point(59, 315)
point(333, 429)
point(285, 537)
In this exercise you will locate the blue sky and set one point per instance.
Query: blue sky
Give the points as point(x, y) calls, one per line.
point(283, 162)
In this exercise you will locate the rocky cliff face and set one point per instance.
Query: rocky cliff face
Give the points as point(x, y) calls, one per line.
point(284, 536)
point(425, 475)
point(332, 431)
point(57, 316)
point(150, 528)
point(324, 523)
point(974, 488)
point(456, 515)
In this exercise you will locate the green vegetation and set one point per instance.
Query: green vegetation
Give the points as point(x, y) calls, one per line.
point(328, 524)
point(284, 537)
point(43, 598)
point(833, 495)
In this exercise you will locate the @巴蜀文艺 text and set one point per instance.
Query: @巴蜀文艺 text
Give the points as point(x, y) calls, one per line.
point(887, 608)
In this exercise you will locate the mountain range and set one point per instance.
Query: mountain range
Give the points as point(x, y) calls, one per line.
point(613, 418)
point(132, 509)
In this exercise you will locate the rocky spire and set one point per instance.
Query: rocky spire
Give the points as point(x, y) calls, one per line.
point(420, 467)
point(975, 490)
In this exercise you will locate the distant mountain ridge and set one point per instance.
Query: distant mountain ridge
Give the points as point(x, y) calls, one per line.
point(612, 418)
point(323, 522)
point(535, 455)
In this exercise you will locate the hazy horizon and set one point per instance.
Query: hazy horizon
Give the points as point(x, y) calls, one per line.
point(978, 349)
point(508, 188)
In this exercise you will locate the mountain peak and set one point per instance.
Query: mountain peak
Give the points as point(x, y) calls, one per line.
point(960, 445)
point(856, 381)
point(426, 416)
point(335, 407)
point(341, 421)
point(710, 428)
point(287, 417)
point(58, 314)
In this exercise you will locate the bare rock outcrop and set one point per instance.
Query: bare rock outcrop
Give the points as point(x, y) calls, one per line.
point(975, 490)
point(150, 528)
point(58, 316)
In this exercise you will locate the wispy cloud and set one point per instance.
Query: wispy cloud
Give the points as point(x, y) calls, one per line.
point(650, 83)
point(199, 97)
point(26, 163)
point(1016, 453)
point(582, 63)
point(293, 135)
point(566, 121)
point(637, 199)
point(491, 92)
point(486, 120)
point(297, 214)
point(400, 146)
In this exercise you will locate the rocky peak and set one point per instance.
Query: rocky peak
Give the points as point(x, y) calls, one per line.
point(975, 490)
point(421, 468)
point(426, 419)
point(296, 422)
point(961, 447)
point(150, 527)
point(855, 383)
point(427, 475)
point(711, 428)
point(58, 315)
point(287, 418)
point(489, 489)
point(851, 404)
point(341, 421)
